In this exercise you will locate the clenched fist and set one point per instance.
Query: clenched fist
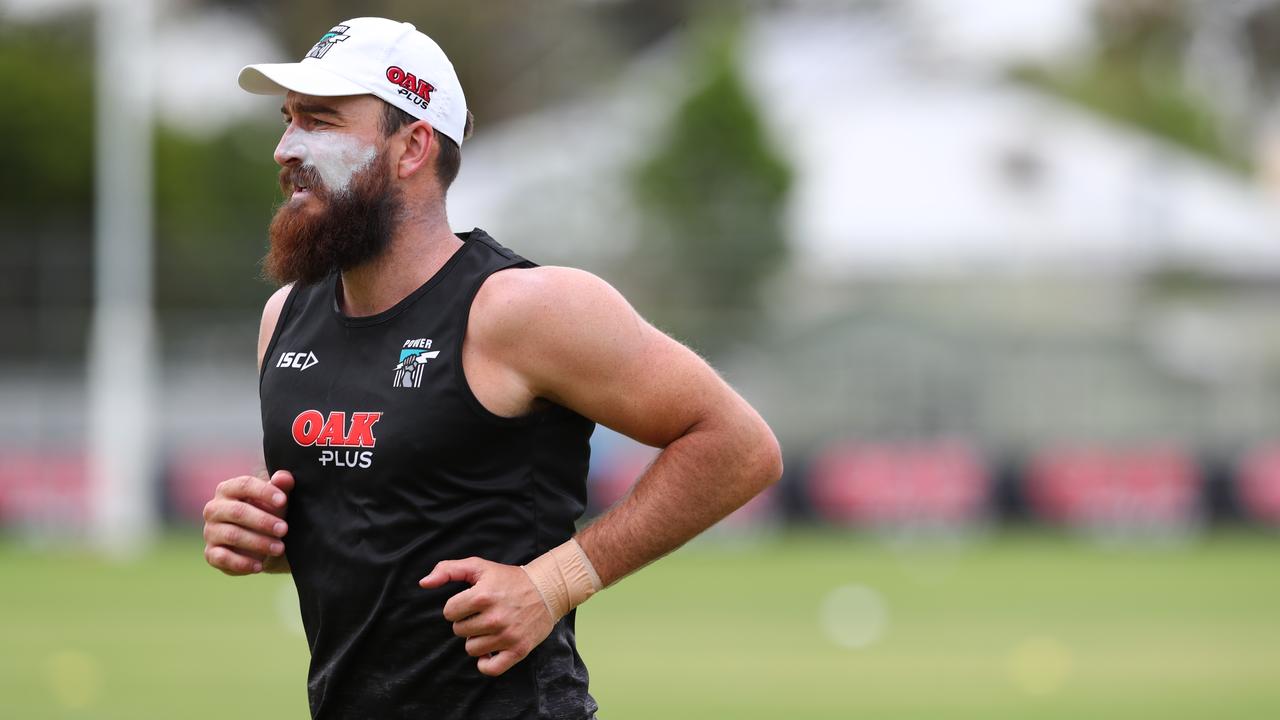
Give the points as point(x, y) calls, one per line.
point(244, 524)
point(501, 615)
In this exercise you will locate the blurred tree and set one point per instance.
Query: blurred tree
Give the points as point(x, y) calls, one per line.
point(713, 195)
point(46, 188)
point(214, 201)
point(1136, 75)
point(49, 106)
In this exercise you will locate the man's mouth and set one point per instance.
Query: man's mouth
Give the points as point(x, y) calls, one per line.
point(298, 184)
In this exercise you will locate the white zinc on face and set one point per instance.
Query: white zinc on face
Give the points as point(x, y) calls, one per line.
point(334, 156)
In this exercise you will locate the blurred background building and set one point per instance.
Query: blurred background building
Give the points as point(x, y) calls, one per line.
point(971, 260)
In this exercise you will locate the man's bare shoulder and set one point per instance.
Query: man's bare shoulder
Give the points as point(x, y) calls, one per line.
point(544, 299)
point(270, 316)
point(570, 338)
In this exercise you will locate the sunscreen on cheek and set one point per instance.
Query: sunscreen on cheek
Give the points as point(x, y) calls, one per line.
point(334, 156)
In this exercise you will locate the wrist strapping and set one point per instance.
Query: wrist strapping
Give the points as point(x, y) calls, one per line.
point(564, 578)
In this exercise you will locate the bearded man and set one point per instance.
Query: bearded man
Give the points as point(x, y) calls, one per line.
point(427, 463)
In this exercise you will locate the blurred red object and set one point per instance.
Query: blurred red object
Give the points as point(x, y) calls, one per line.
point(194, 475)
point(1258, 484)
point(1136, 487)
point(943, 483)
point(614, 473)
point(43, 488)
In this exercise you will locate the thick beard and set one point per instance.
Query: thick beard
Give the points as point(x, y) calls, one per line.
point(350, 229)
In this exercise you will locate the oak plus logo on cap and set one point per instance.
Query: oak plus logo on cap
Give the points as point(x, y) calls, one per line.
point(417, 90)
point(333, 37)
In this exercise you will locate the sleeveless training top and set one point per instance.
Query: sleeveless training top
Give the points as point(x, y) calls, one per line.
point(399, 466)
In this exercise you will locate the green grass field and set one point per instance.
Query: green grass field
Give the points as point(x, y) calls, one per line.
point(808, 626)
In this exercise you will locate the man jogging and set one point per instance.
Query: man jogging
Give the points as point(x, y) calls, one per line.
point(427, 400)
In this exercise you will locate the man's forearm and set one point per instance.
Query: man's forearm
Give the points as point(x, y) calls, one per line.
point(695, 481)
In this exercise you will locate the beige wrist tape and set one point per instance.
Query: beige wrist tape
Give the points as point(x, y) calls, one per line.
point(564, 578)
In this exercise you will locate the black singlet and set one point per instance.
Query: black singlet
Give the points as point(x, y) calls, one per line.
point(399, 466)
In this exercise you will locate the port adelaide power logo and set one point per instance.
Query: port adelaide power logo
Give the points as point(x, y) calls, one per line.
point(413, 361)
point(328, 40)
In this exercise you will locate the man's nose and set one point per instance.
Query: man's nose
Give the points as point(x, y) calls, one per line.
point(290, 149)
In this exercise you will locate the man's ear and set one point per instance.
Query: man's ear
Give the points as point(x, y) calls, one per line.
point(419, 144)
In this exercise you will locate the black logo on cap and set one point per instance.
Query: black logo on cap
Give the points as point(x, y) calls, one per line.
point(336, 35)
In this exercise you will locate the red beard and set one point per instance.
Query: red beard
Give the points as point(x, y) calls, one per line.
point(346, 230)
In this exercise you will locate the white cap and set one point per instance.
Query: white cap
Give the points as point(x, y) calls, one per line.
point(370, 55)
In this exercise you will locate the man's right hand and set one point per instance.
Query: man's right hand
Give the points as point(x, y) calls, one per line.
point(244, 524)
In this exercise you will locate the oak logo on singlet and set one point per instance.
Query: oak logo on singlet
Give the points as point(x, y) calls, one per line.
point(413, 360)
point(312, 428)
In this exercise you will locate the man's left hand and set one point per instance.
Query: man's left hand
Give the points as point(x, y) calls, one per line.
point(501, 615)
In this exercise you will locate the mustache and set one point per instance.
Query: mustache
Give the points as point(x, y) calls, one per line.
point(301, 176)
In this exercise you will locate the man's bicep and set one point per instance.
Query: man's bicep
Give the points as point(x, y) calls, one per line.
point(602, 360)
point(656, 402)
point(270, 316)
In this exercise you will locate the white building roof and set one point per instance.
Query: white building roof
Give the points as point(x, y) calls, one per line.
point(901, 164)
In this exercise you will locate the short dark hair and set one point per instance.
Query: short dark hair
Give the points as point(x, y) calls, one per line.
point(449, 160)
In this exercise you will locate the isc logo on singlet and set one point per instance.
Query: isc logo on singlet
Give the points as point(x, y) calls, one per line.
point(297, 360)
point(312, 428)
